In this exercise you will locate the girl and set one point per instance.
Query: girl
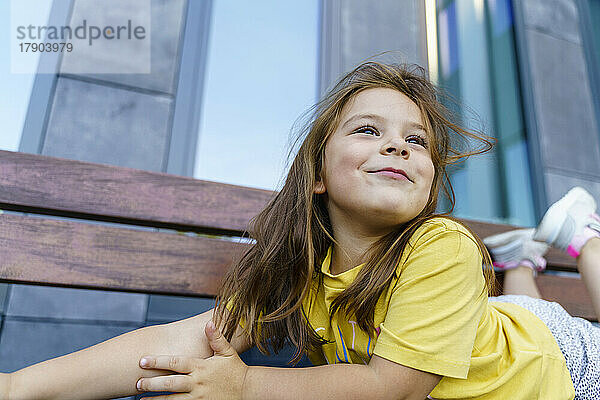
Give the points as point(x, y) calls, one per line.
point(353, 266)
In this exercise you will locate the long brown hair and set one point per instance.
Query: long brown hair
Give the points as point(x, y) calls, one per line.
point(266, 287)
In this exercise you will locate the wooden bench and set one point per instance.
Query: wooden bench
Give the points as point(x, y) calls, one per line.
point(39, 249)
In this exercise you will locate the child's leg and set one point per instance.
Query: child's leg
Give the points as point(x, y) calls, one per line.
point(520, 281)
point(588, 264)
point(572, 225)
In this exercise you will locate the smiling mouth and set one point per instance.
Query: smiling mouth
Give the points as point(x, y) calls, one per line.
point(393, 175)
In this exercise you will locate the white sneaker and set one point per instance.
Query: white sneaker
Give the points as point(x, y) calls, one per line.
point(570, 222)
point(516, 248)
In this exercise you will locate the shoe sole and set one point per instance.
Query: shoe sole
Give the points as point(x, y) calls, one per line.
point(510, 246)
point(501, 239)
point(557, 219)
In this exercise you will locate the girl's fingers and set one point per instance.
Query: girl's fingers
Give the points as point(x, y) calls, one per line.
point(181, 364)
point(170, 383)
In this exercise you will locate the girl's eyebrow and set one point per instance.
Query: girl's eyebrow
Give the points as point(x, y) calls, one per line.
point(365, 116)
point(379, 119)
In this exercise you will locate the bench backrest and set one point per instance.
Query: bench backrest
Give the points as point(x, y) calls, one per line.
point(130, 255)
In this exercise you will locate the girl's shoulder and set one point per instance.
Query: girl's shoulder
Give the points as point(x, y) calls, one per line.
point(440, 224)
point(441, 241)
point(445, 229)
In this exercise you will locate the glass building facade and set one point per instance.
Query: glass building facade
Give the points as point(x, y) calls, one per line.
point(261, 74)
point(478, 67)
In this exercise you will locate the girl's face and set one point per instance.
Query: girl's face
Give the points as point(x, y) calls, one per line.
point(379, 128)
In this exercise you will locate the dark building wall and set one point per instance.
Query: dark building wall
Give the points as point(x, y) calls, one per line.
point(560, 109)
point(354, 30)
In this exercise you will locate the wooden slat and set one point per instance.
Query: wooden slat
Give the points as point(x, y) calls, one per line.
point(57, 186)
point(74, 254)
point(39, 250)
point(570, 293)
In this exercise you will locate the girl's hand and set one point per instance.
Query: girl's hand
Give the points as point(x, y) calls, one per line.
point(218, 377)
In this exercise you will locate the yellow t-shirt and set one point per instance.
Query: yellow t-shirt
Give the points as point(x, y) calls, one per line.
point(436, 318)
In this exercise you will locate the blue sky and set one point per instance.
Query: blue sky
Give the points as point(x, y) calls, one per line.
point(261, 75)
point(16, 88)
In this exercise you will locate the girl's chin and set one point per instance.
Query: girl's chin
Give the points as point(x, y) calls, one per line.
point(390, 217)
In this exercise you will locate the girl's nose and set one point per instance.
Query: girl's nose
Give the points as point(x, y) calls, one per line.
point(397, 147)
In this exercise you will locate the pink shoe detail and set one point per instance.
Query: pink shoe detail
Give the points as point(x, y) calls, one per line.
point(579, 240)
point(506, 265)
point(572, 251)
point(538, 265)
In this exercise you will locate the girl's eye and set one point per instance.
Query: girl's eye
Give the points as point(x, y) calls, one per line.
point(367, 129)
point(418, 140)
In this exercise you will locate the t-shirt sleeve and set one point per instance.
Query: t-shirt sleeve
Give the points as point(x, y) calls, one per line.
point(228, 306)
point(242, 322)
point(437, 302)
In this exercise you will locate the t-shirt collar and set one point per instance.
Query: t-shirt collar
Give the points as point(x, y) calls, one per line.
point(342, 280)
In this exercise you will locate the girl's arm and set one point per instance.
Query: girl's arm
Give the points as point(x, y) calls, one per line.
point(381, 379)
point(111, 369)
point(336, 381)
point(4, 386)
point(226, 376)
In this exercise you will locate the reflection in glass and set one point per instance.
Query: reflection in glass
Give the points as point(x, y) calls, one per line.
point(478, 67)
point(261, 75)
point(15, 89)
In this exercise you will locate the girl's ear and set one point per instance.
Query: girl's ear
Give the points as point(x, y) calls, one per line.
point(319, 186)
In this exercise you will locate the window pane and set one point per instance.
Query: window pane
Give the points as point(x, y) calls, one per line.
point(478, 67)
point(513, 159)
point(594, 6)
point(15, 89)
point(261, 75)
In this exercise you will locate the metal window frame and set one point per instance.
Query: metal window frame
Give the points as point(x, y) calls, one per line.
point(187, 106)
point(187, 113)
point(330, 49)
point(38, 110)
point(589, 50)
point(536, 169)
